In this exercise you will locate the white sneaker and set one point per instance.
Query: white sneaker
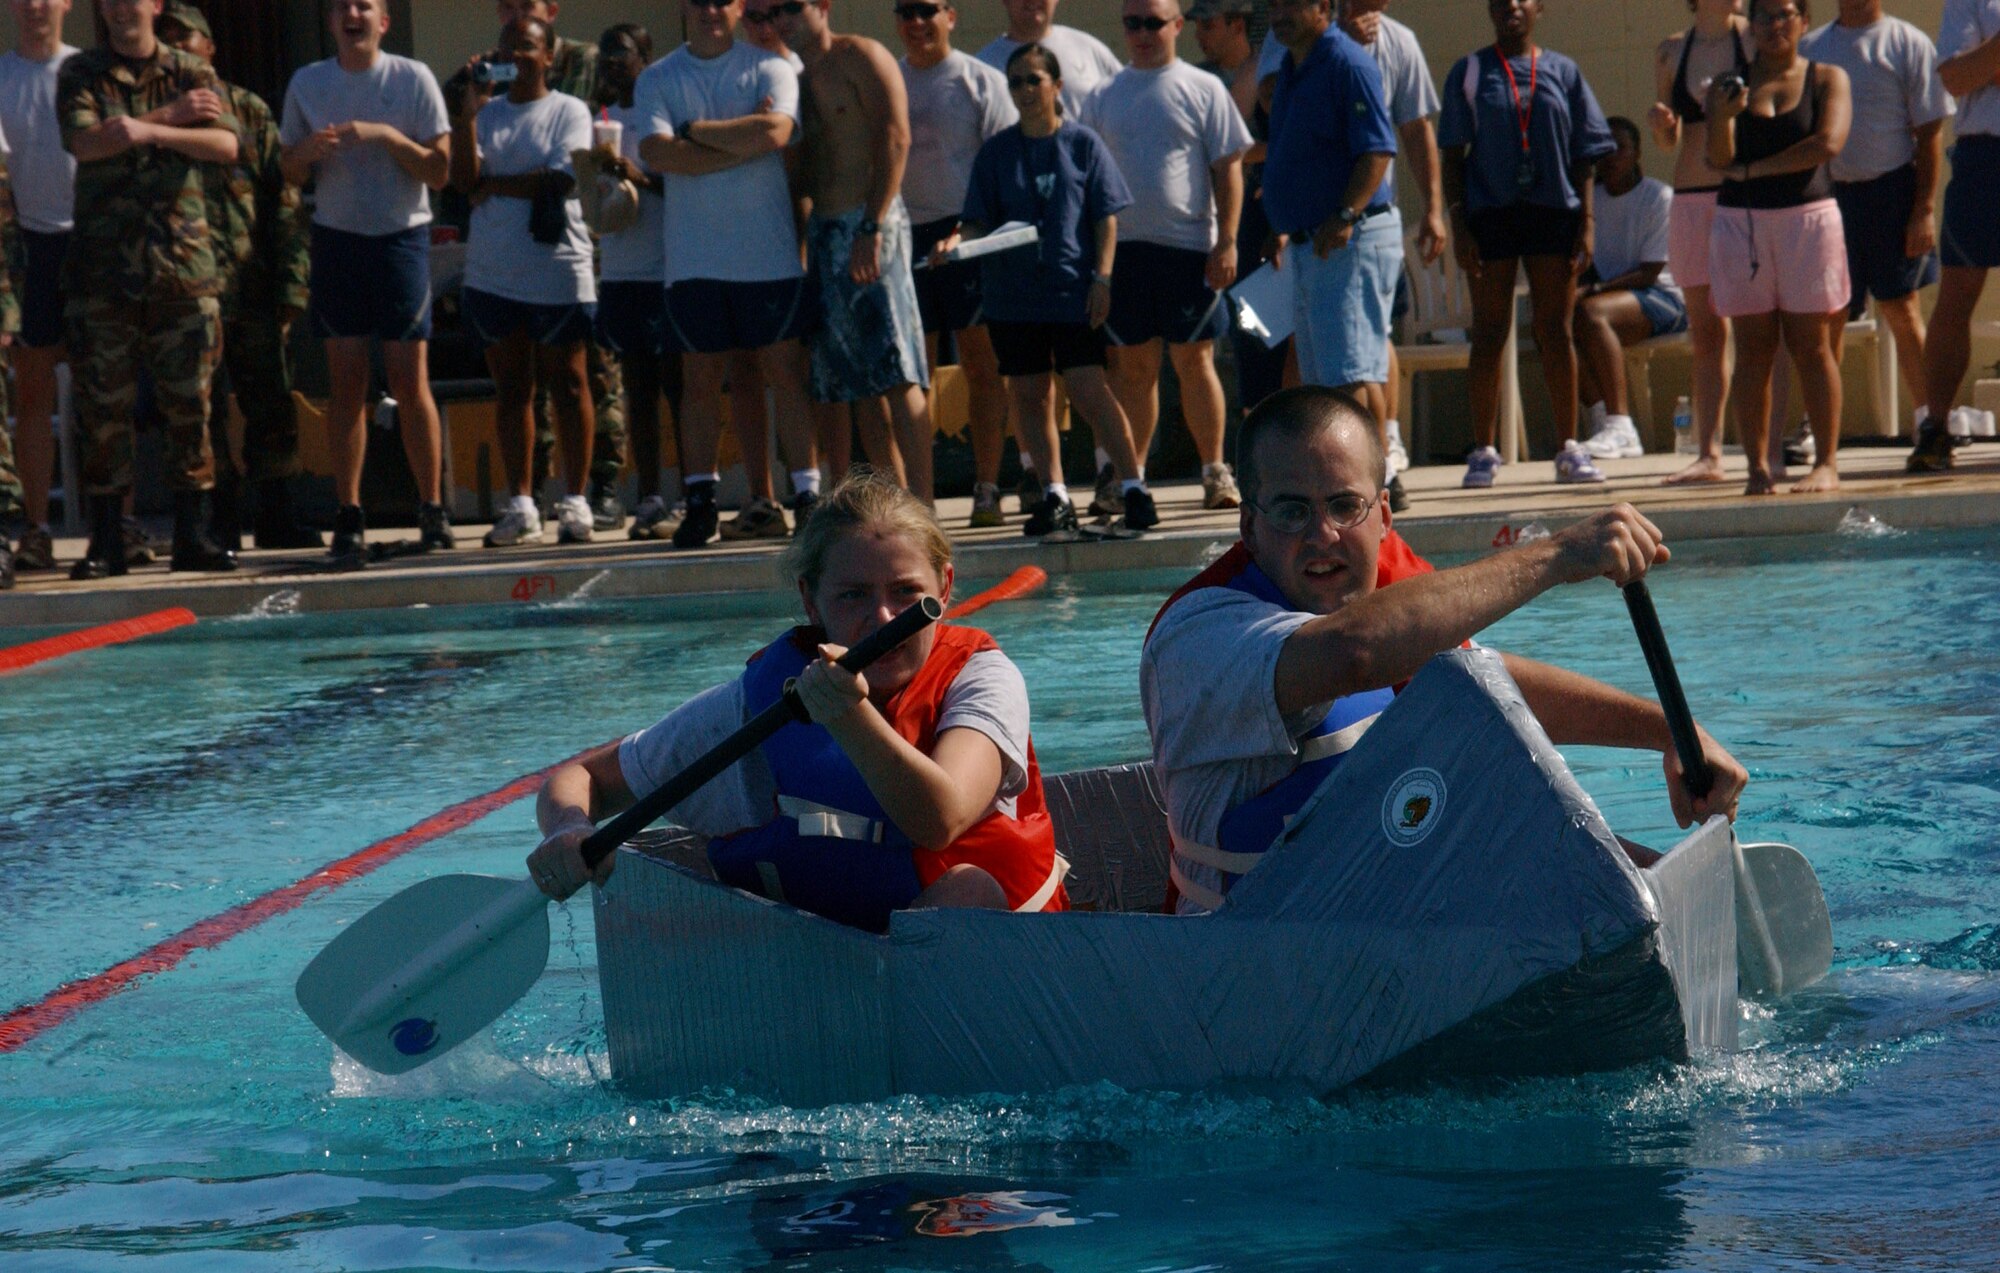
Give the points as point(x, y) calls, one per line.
point(1399, 458)
point(1616, 439)
point(574, 521)
point(521, 523)
point(1574, 467)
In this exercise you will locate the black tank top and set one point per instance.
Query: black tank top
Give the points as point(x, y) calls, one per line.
point(1685, 103)
point(1760, 138)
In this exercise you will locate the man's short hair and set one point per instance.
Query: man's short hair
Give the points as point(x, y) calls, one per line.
point(1297, 414)
point(1620, 124)
point(1200, 9)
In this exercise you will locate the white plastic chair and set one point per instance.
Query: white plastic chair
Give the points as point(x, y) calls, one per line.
point(1436, 336)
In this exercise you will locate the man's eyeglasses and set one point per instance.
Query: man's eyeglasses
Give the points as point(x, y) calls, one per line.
point(1291, 514)
point(1018, 82)
point(918, 12)
point(790, 9)
point(1146, 24)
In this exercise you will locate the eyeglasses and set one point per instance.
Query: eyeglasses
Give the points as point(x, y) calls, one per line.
point(1147, 24)
point(1291, 514)
point(1016, 83)
point(918, 12)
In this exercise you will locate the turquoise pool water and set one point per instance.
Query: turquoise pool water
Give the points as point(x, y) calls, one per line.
point(196, 1121)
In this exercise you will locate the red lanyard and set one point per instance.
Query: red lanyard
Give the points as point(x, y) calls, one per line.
point(1527, 113)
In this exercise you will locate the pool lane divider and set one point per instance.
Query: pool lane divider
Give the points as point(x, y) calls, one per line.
point(14, 658)
point(29, 1021)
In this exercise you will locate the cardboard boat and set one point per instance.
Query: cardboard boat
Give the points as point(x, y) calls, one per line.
point(1450, 902)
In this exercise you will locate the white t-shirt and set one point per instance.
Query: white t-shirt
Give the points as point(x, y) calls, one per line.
point(1632, 228)
point(989, 696)
point(1968, 24)
point(1165, 128)
point(736, 225)
point(1085, 61)
point(42, 172)
point(501, 257)
point(954, 107)
point(360, 189)
point(1892, 73)
point(638, 253)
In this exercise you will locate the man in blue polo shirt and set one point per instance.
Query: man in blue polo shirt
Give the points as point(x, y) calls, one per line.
point(1327, 192)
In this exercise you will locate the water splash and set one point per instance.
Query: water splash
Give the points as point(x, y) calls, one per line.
point(1859, 523)
point(581, 597)
point(282, 604)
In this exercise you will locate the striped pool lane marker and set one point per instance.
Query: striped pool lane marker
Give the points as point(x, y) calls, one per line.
point(29, 1021)
point(14, 658)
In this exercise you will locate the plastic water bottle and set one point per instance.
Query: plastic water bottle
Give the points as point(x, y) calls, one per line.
point(385, 413)
point(1684, 443)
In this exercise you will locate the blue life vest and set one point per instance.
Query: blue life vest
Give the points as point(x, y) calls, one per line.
point(829, 848)
point(1250, 828)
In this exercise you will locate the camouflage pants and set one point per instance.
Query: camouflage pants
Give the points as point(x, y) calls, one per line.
point(259, 371)
point(180, 342)
point(607, 394)
point(11, 494)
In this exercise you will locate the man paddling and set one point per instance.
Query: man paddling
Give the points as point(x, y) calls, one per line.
point(1264, 669)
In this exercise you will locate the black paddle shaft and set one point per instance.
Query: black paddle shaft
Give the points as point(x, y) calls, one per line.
point(658, 803)
point(1680, 722)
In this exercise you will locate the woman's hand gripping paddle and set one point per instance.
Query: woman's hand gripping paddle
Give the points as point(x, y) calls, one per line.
point(1784, 938)
point(432, 966)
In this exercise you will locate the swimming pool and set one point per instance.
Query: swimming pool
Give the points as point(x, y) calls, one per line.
point(195, 1121)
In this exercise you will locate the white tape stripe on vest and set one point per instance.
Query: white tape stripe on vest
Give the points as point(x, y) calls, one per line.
point(1193, 892)
point(1048, 888)
point(1340, 740)
point(832, 824)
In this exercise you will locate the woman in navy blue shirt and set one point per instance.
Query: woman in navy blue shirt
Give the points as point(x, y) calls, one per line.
point(1520, 136)
point(1045, 305)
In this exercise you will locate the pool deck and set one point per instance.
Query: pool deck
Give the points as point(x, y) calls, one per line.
point(1442, 519)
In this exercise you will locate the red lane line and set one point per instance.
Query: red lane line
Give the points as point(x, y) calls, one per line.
point(14, 658)
point(1019, 584)
point(24, 1023)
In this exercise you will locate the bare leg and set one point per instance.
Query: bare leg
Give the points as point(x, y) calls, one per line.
point(878, 441)
point(701, 410)
point(1905, 320)
point(642, 407)
point(1133, 372)
point(784, 368)
point(512, 366)
point(1552, 293)
point(1605, 325)
point(1201, 400)
point(408, 362)
point(833, 436)
point(347, 399)
point(1948, 345)
point(1392, 408)
point(964, 886)
point(988, 422)
point(1492, 315)
point(34, 437)
point(1810, 339)
point(1035, 418)
point(1756, 350)
point(749, 421)
point(1090, 393)
point(566, 371)
point(1708, 332)
point(910, 410)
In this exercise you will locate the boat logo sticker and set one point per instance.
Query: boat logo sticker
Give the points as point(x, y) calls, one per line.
point(414, 1036)
point(1413, 807)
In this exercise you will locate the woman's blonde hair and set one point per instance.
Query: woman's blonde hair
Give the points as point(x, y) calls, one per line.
point(863, 498)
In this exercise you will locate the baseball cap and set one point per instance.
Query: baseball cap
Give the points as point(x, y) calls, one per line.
point(189, 17)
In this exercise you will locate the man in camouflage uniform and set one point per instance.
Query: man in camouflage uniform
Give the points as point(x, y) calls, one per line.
point(259, 225)
point(13, 500)
point(143, 280)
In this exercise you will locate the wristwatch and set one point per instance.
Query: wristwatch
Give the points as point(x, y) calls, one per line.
point(1349, 216)
point(1101, 278)
point(867, 227)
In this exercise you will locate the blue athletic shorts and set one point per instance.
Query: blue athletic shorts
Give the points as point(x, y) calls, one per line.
point(1874, 216)
point(42, 258)
point(1663, 308)
point(708, 316)
point(947, 297)
point(1162, 293)
point(371, 285)
point(632, 318)
point(491, 319)
point(1036, 349)
point(1971, 233)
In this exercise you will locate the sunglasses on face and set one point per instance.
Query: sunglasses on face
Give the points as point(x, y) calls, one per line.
point(918, 12)
point(1291, 514)
point(1146, 24)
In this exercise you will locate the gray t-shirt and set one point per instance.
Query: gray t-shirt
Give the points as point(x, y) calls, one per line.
point(1968, 24)
point(501, 257)
point(1086, 63)
point(638, 253)
point(954, 107)
point(42, 171)
point(989, 695)
point(360, 189)
point(1406, 77)
point(1892, 71)
point(1632, 228)
point(1166, 128)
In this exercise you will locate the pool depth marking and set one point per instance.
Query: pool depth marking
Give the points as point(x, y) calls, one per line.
point(26, 1022)
point(1019, 584)
point(14, 658)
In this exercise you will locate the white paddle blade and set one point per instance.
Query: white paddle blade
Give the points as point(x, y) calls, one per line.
point(427, 969)
point(1784, 938)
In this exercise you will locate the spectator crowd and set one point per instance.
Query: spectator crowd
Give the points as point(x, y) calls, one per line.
point(784, 228)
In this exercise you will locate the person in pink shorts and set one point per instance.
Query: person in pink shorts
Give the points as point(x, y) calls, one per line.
point(1777, 260)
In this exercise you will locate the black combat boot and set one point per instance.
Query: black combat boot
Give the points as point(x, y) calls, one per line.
point(105, 556)
point(349, 550)
point(193, 549)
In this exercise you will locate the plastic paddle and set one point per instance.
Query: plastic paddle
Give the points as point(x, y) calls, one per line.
point(432, 966)
point(1784, 937)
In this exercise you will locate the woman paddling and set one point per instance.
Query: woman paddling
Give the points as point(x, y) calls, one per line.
point(915, 786)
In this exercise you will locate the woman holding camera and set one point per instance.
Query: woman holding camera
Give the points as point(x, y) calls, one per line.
point(1777, 259)
point(529, 296)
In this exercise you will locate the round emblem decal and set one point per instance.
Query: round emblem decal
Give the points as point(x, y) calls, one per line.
point(414, 1036)
point(1413, 807)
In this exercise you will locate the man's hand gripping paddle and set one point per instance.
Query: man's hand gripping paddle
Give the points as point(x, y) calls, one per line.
point(1784, 939)
point(432, 966)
